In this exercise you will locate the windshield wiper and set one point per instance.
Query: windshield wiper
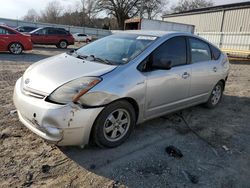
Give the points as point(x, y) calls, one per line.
point(99, 59)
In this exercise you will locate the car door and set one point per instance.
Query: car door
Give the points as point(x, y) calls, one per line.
point(202, 68)
point(6, 37)
point(39, 37)
point(3, 39)
point(53, 36)
point(167, 90)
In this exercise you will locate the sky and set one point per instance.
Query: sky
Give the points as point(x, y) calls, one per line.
point(16, 9)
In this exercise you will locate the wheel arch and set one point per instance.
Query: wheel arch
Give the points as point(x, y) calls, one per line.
point(223, 82)
point(15, 42)
point(127, 99)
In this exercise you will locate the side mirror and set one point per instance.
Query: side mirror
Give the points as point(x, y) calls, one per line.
point(162, 63)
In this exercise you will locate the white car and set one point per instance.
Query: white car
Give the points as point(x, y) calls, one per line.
point(80, 37)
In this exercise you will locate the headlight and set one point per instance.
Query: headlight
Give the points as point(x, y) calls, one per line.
point(73, 90)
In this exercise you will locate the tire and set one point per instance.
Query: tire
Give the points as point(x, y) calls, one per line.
point(215, 96)
point(15, 48)
point(63, 44)
point(88, 41)
point(114, 124)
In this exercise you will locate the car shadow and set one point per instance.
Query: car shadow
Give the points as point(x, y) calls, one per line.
point(25, 57)
point(143, 154)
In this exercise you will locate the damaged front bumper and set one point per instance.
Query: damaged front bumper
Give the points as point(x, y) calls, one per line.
point(60, 124)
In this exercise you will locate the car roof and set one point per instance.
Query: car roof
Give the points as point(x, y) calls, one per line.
point(149, 32)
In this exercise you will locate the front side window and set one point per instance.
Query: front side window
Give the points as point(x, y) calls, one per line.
point(200, 51)
point(173, 51)
point(118, 48)
point(5, 32)
point(40, 31)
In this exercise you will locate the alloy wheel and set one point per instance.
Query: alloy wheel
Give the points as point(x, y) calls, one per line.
point(116, 125)
point(16, 48)
point(216, 94)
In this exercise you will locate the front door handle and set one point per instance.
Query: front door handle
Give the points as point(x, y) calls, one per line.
point(215, 69)
point(185, 75)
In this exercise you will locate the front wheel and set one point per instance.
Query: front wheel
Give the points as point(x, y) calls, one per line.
point(215, 96)
point(16, 48)
point(114, 124)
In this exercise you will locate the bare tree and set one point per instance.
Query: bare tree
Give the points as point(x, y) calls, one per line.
point(185, 5)
point(52, 12)
point(153, 8)
point(120, 9)
point(31, 16)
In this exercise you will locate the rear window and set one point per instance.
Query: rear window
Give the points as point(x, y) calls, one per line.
point(215, 52)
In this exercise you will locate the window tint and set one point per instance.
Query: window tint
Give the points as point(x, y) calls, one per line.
point(52, 31)
point(61, 32)
point(81, 35)
point(200, 50)
point(41, 32)
point(215, 51)
point(173, 50)
point(5, 31)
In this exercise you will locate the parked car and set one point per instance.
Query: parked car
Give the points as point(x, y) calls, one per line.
point(13, 41)
point(25, 29)
point(52, 36)
point(80, 37)
point(103, 89)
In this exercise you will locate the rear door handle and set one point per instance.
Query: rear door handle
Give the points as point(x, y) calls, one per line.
point(185, 75)
point(215, 69)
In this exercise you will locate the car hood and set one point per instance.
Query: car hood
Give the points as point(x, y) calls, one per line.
point(48, 74)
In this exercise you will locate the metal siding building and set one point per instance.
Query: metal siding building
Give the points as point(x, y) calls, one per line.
point(225, 18)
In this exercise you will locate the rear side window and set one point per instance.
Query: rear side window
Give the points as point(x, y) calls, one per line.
point(200, 51)
point(61, 32)
point(215, 52)
point(81, 35)
point(173, 50)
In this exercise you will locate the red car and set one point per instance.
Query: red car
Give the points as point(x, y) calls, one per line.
point(50, 35)
point(14, 41)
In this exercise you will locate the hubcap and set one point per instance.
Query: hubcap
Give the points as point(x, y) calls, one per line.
point(16, 48)
point(63, 44)
point(216, 95)
point(116, 125)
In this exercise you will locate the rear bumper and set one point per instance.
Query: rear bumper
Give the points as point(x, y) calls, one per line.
point(59, 124)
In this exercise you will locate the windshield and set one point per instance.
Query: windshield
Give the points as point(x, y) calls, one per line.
point(116, 49)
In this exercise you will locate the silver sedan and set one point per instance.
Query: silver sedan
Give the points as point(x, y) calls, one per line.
point(102, 90)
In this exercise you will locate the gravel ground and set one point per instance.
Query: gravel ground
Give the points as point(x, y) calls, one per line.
point(214, 143)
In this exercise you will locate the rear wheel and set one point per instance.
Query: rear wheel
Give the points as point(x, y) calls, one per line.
point(215, 96)
point(63, 44)
point(114, 124)
point(15, 48)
